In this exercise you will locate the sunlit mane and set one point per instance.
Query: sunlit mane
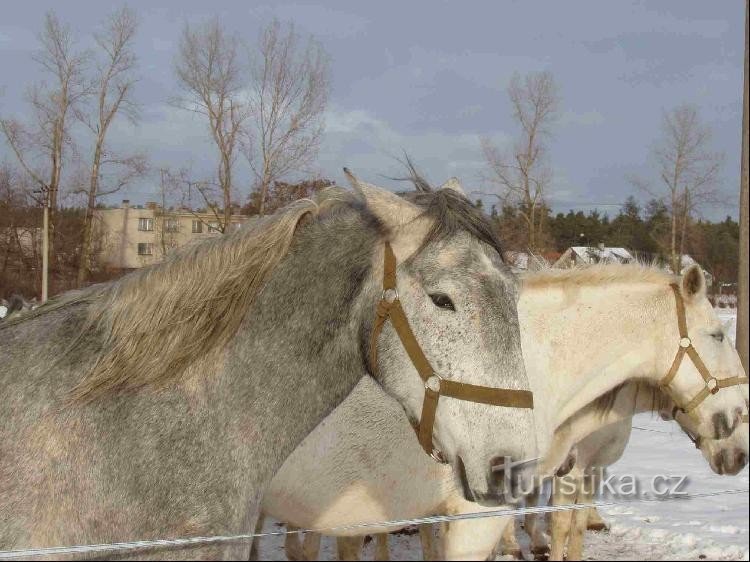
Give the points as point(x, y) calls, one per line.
point(156, 321)
point(598, 274)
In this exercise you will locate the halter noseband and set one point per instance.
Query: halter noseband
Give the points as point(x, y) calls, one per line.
point(712, 384)
point(435, 386)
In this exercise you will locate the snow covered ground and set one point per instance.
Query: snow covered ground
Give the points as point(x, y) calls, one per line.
point(713, 528)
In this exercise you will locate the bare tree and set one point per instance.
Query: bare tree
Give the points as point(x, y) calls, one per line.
point(688, 172)
point(40, 146)
point(211, 79)
point(288, 95)
point(523, 175)
point(113, 85)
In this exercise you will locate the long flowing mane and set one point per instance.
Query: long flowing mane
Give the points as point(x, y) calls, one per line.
point(158, 320)
point(152, 325)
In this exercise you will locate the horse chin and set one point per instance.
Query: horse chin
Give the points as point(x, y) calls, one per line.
point(485, 496)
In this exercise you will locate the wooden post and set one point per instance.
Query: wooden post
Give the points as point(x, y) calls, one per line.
point(45, 248)
point(742, 284)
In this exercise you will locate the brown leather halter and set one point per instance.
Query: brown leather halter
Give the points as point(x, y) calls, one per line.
point(435, 386)
point(712, 384)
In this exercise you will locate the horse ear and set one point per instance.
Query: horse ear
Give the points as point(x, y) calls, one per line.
point(455, 185)
point(393, 211)
point(693, 282)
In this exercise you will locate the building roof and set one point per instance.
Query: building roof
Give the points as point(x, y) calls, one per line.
point(590, 255)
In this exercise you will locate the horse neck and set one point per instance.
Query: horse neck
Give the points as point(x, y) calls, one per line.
point(297, 355)
point(582, 341)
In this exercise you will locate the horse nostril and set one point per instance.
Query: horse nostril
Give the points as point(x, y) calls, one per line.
point(740, 458)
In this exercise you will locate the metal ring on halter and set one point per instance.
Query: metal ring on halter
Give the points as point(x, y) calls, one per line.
point(712, 384)
point(433, 383)
point(390, 295)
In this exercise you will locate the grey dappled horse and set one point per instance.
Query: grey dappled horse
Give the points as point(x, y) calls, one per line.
point(161, 405)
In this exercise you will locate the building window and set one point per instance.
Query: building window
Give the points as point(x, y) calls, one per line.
point(145, 249)
point(171, 225)
point(197, 227)
point(213, 226)
point(146, 225)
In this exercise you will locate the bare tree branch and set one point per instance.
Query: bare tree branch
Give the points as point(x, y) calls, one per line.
point(288, 96)
point(112, 91)
point(211, 80)
point(522, 176)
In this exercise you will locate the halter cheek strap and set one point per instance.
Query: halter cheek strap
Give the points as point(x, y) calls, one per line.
point(389, 308)
point(712, 384)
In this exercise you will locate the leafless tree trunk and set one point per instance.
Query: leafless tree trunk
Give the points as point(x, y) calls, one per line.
point(289, 92)
point(742, 285)
point(211, 79)
point(688, 172)
point(113, 95)
point(40, 146)
point(523, 176)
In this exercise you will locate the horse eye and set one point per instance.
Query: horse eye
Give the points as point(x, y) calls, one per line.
point(718, 336)
point(442, 300)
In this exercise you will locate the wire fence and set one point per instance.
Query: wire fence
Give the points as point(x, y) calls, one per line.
point(375, 526)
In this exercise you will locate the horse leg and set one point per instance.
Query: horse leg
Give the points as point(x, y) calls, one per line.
point(311, 546)
point(580, 517)
point(428, 542)
point(255, 545)
point(509, 543)
point(595, 521)
point(564, 493)
point(292, 545)
point(471, 539)
point(534, 527)
point(381, 547)
point(350, 548)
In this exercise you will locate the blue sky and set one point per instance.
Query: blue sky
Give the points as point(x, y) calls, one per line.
point(431, 77)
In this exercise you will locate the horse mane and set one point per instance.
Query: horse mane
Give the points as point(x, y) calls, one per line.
point(158, 320)
point(597, 274)
point(156, 323)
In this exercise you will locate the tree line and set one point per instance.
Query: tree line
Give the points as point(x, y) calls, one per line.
point(263, 108)
point(643, 229)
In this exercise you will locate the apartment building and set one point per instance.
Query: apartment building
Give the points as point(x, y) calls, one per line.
point(135, 236)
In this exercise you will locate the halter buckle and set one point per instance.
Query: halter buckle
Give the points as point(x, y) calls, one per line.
point(433, 383)
point(685, 342)
point(713, 385)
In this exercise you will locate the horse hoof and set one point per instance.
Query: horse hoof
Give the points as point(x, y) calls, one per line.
point(598, 527)
point(540, 552)
point(514, 553)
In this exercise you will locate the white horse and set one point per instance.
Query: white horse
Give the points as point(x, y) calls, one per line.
point(584, 332)
point(601, 448)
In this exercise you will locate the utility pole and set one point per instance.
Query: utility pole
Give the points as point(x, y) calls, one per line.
point(45, 247)
point(742, 284)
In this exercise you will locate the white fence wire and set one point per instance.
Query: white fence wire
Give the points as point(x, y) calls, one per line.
point(398, 523)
